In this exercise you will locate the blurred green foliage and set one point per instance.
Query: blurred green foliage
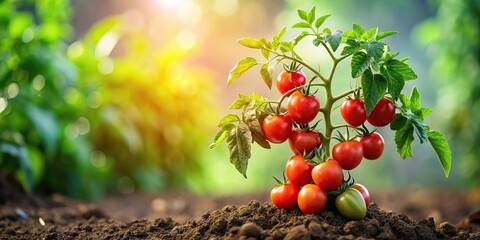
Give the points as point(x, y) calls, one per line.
point(78, 120)
point(452, 42)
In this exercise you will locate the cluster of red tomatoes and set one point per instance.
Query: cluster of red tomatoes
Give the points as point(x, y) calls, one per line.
point(311, 183)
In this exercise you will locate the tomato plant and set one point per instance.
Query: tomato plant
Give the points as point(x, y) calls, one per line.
point(348, 154)
point(277, 128)
point(377, 98)
point(312, 199)
point(328, 175)
point(351, 204)
point(285, 196)
point(298, 171)
point(288, 80)
point(373, 145)
point(304, 142)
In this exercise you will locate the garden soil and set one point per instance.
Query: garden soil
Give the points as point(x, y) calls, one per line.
point(184, 216)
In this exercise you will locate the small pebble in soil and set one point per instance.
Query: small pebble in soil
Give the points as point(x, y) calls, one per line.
point(250, 229)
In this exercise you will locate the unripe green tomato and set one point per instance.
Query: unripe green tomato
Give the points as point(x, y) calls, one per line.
point(351, 204)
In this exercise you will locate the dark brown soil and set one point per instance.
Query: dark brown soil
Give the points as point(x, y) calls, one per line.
point(27, 217)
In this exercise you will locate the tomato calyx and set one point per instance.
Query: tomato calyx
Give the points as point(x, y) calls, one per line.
point(346, 184)
point(281, 182)
point(363, 131)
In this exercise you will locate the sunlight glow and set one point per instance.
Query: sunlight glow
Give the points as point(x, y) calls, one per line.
point(38, 82)
point(12, 90)
point(190, 13)
point(186, 39)
point(3, 104)
point(106, 45)
point(225, 7)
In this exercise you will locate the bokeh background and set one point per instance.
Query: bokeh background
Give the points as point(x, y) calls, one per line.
point(118, 96)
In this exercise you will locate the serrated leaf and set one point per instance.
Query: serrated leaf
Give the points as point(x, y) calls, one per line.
point(369, 35)
point(401, 68)
point(415, 104)
point(352, 47)
point(286, 47)
point(403, 140)
point(239, 146)
point(277, 38)
point(239, 69)
point(374, 88)
point(318, 40)
point(241, 102)
point(302, 14)
point(228, 119)
point(358, 30)
point(395, 82)
point(252, 121)
point(266, 72)
point(398, 122)
point(311, 15)
point(420, 129)
point(385, 34)
point(321, 20)
point(300, 37)
point(335, 39)
point(301, 25)
point(250, 43)
point(374, 49)
point(222, 135)
point(360, 62)
point(440, 145)
point(349, 35)
point(405, 101)
point(425, 111)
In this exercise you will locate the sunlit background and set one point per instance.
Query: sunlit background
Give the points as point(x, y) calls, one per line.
point(120, 96)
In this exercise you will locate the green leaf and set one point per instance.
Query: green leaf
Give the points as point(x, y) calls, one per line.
point(300, 37)
point(301, 25)
point(230, 118)
point(420, 129)
point(403, 140)
point(395, 81)
point(239, 69)
point(303, 15)
point(241, 102)
point(239, 146)
point(374, 88)
point(47, 126)
point(222, 135)
point(18, 155)
point(369, 35)
point(401, 68)
point(425, 111)
point(286, 47)
point(277, 38)
point(360, 62)
point(358, 30)
point(321, 20)
point(265, 53)
point(251, 43)
point(398, 122)
point(318, 40)
point(352, 47)
point(335, 39)
point(405, 102)
point(327, 31)
point(375, 49)
point(415, 104)
point(267, 74)
point(385, 34)
point(253, 123)
point(311, 15)
point(440, 145)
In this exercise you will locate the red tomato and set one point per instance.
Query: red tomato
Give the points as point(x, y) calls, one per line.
point(348, 154)
point(353, 112)
point(286, 81)
point(312, 199)
point(373, 145)
point(328, 175)
point(382, 114)
point(285, 196)
point(277, 128)
point(298, 171)
point(363, 190)
point(304, 142)
point(302, 109)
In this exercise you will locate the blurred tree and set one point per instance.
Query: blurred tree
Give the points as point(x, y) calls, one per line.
point(42, 131)
point(452, 41)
